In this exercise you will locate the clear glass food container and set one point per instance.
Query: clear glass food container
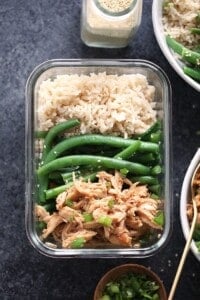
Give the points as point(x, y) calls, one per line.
point(48, 71)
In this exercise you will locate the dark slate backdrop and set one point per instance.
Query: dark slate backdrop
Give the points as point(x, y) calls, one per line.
point(30, 33)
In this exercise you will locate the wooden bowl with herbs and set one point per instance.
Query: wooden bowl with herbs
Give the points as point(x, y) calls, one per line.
point(130, 281)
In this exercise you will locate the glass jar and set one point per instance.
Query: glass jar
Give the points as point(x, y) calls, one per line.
point(111, 23)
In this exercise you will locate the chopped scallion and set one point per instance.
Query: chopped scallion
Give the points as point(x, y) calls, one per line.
point(105, 221)
point(87, 217)
point(78, 243)
point(159, 218)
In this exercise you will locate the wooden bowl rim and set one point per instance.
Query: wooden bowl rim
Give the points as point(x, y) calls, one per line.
point(118, 271)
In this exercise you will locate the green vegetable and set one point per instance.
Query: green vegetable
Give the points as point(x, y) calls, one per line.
point(95, 139)
point(198, 245)
point(105, 297)
point(159, 218)
point(52, 167)
point(54, 192)
point(111, 203)
point(195, 30)
point(198, 18)
point(40, 134)
point(155, 137)
point(145, 158)
point(145, 179)
point(156, 170)
point(78, 243)
point(192, 72)
point(42, 181)
point(166, 4)
point(105, 221)
point(69, 202)
point(197, 48)
point(87, 217)
point(40, 225)
point(196, 235)
point(155, 189)
point(146, 135)
point(131, 286)
point(124, 171)
point(53, 132)
point(185, 53)
point(96, 161)
point(126, 153)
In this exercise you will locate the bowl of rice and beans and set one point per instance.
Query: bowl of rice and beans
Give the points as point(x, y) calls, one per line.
point(177, 30)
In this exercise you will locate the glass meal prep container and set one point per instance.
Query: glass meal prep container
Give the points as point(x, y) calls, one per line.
point(148, 243)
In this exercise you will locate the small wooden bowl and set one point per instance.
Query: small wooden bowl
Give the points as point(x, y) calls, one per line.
point(117, 272)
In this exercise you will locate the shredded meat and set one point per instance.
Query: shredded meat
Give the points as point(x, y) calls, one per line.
point(112, 211)
point(196, 186)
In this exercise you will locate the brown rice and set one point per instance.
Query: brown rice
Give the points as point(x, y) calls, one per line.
point(179, 16)
point(121, 105)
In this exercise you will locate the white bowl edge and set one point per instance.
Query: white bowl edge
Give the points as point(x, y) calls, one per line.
point(184, 199)
point(159, 34)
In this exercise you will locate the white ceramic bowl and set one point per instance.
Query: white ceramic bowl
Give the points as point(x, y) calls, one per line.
point(159, 34)
point(185, 192)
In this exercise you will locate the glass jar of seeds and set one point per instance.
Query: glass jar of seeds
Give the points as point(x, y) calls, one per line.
point(110, 23)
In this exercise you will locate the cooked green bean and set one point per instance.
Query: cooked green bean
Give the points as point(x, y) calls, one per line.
point(156, 170)
point(145, 136)
point(195, 30)
point(126, 153)
point(67, 176)
point(155, 137)
point(97, 161)
point(42, 183)
point(95, 139)
point(186, 54)
point(40, 134)
point(54, 192)
point(53, 132)
point(55, 176)
point(145, 179)
point(144, 158)
point(155, 189)
point(193, 73)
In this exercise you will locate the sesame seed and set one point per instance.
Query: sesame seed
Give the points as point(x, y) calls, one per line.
point(115, 5)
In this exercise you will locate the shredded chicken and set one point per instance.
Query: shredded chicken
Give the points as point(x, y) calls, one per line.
point(112, 210)
point(196, 186)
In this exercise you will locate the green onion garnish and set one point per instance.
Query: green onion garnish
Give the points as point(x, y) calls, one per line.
point(111, 203)
point(124, 171)
point(78, 243)
point(69, 202)
point(159, 218)
point(87, 217)
point(105, 221)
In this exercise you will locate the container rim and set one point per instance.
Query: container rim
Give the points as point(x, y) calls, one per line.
point(94, 253)
point(185, 190)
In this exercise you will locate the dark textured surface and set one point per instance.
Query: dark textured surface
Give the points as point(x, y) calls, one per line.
point(30, 33)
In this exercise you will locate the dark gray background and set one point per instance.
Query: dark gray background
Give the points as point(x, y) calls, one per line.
point(30, 33)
